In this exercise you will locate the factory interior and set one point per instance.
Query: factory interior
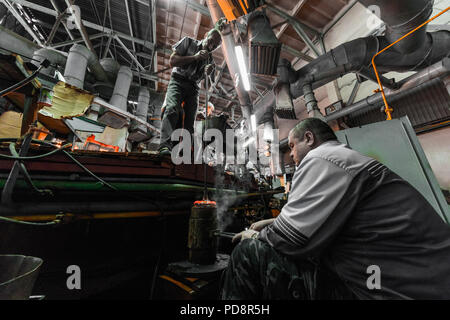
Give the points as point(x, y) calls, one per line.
point(85, 189)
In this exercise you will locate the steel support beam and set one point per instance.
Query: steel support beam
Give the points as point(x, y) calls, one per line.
point(296, 53)
point(130, 26)
point(81, 28)
point(290, 18)
point(69, 42)
point(16, 14)
point(339, 16)
point(292, 13)
point(63, 22)
point(86, 23)
point(132, 56)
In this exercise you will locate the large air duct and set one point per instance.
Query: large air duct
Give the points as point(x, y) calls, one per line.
point(438, 70)
point(111, 67)
point(400, 18)
point(55, 58)
point(78, 60)
point(76, 65)
point(264, 47)
point(119, 99)
point(228, 45)
point(139, 131)
point(121, 88)
point(14, 43)
point(419, 51)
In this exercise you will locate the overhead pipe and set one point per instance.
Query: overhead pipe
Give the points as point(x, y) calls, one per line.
point(78, 60)
point(142, 106)
point(12, 42)
point(139, 131)
point(111, 67)
point(401, 17)
point(355, 56)
point(228, 45)
point(438, 70)
point(119, 97)
point(55, 58)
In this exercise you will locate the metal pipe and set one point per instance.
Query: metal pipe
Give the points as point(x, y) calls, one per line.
point(76, 65)
point(55, 58)
point(440, 69)
point(121, 88)
point(78, 60)
point(142, 107)
point(418, 29)
point(228, 45)
point(121, 186)
point(401, 17)
point(13, 42)
point(81, 207)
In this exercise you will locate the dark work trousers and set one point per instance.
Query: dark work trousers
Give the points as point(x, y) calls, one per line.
point(258, 271)
point(179, 90)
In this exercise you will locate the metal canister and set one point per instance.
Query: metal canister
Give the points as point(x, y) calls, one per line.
point(202, 242)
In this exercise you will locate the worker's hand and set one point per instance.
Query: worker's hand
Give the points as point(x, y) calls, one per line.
point(246, 234)
point(259, 225)
point(201, 55)
point(209, 68)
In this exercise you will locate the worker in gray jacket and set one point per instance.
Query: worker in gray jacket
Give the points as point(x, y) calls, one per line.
point(190, 59)
point(351, 229)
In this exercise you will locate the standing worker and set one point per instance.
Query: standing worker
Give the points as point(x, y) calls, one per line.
point(190, 59)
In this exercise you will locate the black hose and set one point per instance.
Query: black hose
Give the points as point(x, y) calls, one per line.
point(5, 219)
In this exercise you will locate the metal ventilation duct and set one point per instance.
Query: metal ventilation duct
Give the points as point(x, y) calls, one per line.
point(419, 51)
point(119, 99)
point(264, 47)
point(111, 67)
point(76, 65)
point(55, 58)
point(121, 88)
point(139, 131)
point(13, 42)
point(400, 18)
point(78, 60)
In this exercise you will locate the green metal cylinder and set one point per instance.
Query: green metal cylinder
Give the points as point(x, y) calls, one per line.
point(202, 242)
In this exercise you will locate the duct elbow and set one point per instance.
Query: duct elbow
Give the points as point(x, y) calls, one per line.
point(55, 58)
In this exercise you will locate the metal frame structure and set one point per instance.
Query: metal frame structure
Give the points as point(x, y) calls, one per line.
point(113, 40)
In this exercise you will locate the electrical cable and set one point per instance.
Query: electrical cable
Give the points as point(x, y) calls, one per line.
point(5, 219)
point(34, 157)
point(31, 59)
point(21, 83)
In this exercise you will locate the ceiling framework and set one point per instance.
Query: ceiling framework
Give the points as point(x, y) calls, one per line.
point(141, 33)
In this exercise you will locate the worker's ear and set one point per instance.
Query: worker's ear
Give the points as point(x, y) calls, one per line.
point(309, 137)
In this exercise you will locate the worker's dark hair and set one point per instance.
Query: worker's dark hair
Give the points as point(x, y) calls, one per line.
point(319, 128)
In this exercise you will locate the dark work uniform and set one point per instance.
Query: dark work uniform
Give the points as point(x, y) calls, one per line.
point(183, 86)
point(346, 214)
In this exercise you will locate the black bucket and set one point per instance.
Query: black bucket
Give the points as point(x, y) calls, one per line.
point(17, 276)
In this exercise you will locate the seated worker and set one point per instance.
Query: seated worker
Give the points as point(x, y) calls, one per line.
point(189, 60)
point(348, 218)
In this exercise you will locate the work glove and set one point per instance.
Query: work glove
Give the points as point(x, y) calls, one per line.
point(246, 234)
